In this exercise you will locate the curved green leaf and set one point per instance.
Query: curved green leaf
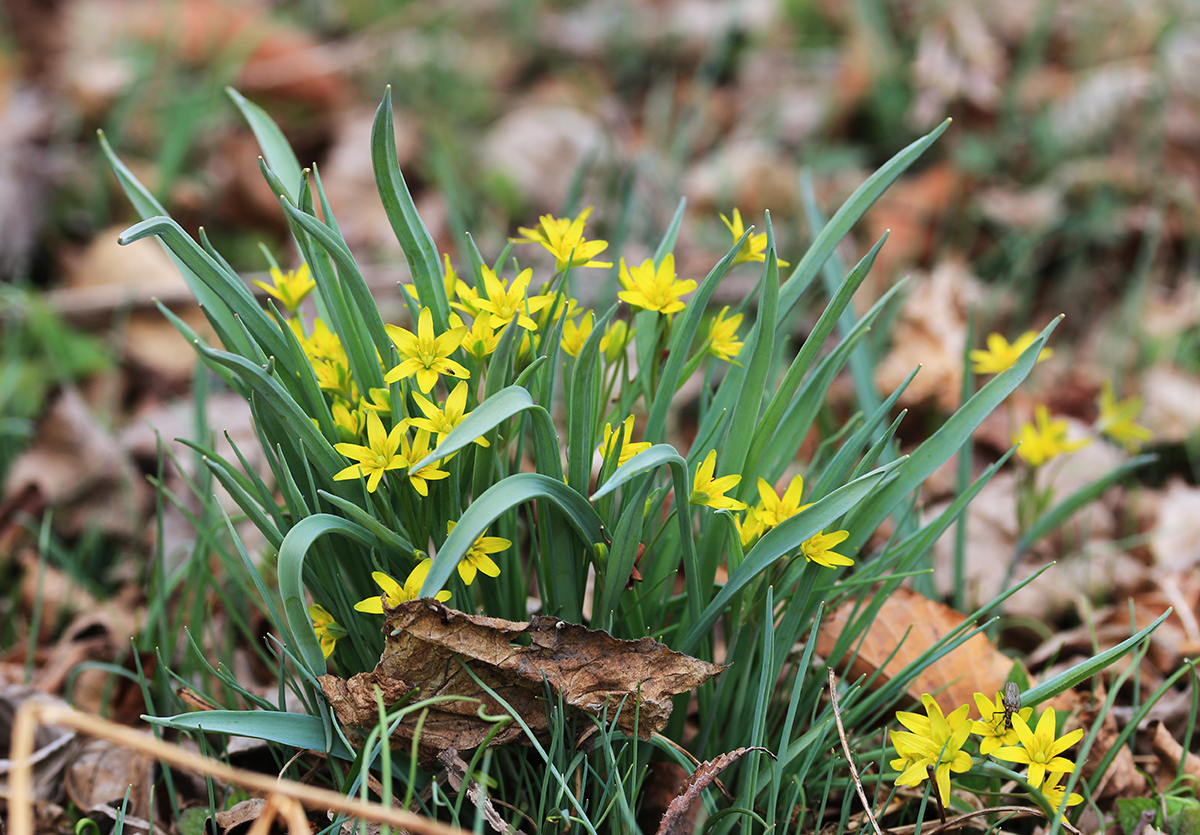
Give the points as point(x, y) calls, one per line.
point(292, 554)
point(410, 230)
point(282, 404)
point(232, 291)
point(944, 443)
point(1086, 669)
point(845, 218)
point(500, 498)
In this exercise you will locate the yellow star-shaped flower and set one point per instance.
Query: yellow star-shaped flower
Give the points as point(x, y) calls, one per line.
point(425, 355)
point(327, 630)
point(710, 491)
point(395, 594)
point(441, 420)
point(722, 336)
point(625, 434)
point(289, 288)
point(1046, 440)
point(382, 453)
point(754, 248)
point(1039, 748)
point(563, 238)
point(654, 288)
point(573, 336)
point(478, 557)
point(509, 303)
point(1117, 417)
point(1000, 356)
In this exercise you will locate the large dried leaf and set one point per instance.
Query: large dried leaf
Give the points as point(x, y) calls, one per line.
point(430, 647)
point(975, 665)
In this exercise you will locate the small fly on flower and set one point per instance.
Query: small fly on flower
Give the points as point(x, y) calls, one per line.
point(1012, 702)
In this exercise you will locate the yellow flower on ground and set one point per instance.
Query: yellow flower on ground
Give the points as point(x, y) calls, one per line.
point(425, 355)
point(932, 741)
point(616, 337)
point(1046, 440)
point(419, 449)
point(710, 491)
point(480, 340)
point(773, 508)
point(1039, 749)
point(509, 303)
point(1117, 417)
point(754, 248)
point(382, 453)
point(992, 729)
point(563, 238)
point(628, 447)
point(1053, 792)
point(573, 336)
point(817, 549)
point(289, 288)
point(327, 630)
point(396, 593)
point(478, 557)
point(441, 421)
point(654, 288)
point(1000, 356)
point(722, 336)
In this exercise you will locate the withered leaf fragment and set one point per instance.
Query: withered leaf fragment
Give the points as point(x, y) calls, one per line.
point(587, 669)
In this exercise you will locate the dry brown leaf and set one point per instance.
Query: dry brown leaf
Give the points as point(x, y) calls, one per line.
point(588, 670)
point(1177, 527)
point(102, 773)
point(1170, 752)
point(54, 747)
point(974, 666)
point(1172, 403)
point(931, 332)
point(76, 465)
point(1123, 777)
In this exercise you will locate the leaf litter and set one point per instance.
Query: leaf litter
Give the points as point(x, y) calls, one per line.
point(434, 651)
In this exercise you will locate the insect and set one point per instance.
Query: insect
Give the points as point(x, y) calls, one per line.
point(1012, 702)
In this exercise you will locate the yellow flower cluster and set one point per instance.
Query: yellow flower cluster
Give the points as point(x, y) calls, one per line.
point(1046, 439)
point(772, 509)
point(934, 743)
point(384, 432)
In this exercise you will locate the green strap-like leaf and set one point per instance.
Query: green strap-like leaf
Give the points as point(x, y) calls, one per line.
point(277, 152)
point(1086, 669)
point(295, 730)
point(410, 230)
point(644, 462)
point(845, 218)
point(943, 444)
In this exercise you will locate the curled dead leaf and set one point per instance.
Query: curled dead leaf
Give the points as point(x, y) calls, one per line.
point(430, 649)
point(701, 778)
